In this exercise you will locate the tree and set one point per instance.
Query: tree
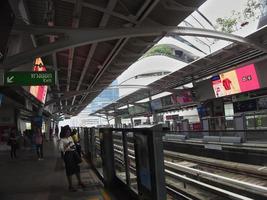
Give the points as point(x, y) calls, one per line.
point(227, 25)
point(251, 12)
point(161, 49)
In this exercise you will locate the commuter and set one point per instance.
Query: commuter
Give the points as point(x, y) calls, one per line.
point(57, 131)
point(39, 143)
point(50, 134)
point(71, 157)
point(13, 143)
point(76, 141)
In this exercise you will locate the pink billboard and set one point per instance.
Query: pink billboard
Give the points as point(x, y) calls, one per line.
point(40, 91)
point(236, 81)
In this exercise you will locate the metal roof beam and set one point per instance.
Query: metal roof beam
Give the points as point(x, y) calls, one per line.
point(78, 37)
point(75, 24)
point(111, 5)
point(106, 11)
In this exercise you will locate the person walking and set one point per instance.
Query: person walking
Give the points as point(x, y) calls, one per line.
point(13, 143)
point(70, 156)
point(39, 143)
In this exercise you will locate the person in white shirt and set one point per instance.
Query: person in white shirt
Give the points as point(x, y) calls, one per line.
point(70, 156)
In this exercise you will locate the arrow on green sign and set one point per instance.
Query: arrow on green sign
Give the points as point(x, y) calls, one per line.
point(10, 79)
point(30, 78)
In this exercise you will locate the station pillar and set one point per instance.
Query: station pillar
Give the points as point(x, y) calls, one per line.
point(240, 125)
point(117, 122)
point(185, 126)
point(205, 126)
point(131, 118)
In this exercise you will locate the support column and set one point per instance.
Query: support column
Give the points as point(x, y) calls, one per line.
point(117, 122)
point(154, 114)
point(132, 122)
point(240, 125)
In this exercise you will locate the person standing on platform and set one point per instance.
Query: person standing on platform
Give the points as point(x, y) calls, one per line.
point(13, 143)
point(57, 131)
point(39, 143)
point(50, 134)
point(71, 157)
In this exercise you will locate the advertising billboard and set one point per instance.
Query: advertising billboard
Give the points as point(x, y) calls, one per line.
point(143, 108)
point(40, 91)
point(156, 104)
point(184, 97)
point(245, 106)
point(262, 103)
point(236, 81)
point(167, 101)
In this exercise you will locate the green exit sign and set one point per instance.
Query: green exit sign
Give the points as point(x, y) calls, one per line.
point(30, 78)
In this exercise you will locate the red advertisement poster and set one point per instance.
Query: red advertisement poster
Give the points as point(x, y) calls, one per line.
point(235, 81)
point(39, 92)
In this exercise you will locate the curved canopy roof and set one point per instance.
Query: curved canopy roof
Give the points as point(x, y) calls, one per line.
point(80, 65)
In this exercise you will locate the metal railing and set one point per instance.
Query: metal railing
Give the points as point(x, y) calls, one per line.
point(123, 154)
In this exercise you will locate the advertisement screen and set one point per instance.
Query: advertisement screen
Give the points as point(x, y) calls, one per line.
point(245, 106)
point(262, 103)
point(39, 91)
point(184, 97)
point(156, 104)
point(142, 108)
point(166, 101)
point(236, 81)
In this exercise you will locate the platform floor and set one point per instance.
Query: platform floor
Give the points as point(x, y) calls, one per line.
point(26, 178)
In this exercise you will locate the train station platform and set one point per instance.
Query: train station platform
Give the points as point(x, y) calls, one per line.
point(27, 178)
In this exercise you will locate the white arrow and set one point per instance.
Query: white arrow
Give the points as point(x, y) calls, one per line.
point(10, 79)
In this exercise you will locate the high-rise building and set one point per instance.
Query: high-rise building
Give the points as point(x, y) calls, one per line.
point(105, 97)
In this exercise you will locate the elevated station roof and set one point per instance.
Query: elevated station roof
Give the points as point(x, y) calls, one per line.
point(94, 66)
point(228, 57)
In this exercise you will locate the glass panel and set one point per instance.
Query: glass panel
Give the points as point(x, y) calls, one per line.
point(229, 123)
point(132, 164)
point(98, 159)
point(250, 122)
point(119, 156)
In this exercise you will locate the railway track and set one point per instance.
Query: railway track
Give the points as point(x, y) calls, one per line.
point(193, 177)
point(234, 177)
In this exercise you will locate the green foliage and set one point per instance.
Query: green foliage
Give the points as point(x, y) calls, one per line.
point(161, 49)
point(227, 25)
point(251, 12)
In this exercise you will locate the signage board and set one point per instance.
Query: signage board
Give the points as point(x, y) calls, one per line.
point(29, 78)
point(245, 106)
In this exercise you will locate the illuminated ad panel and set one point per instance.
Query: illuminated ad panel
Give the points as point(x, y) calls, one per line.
point(236, 81)
point(39, 91)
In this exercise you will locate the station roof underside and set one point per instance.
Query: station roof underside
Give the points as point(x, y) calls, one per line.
point(94, 65)
point(228, 57)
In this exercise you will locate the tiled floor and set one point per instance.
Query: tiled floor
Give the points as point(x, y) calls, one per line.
point(26, 178)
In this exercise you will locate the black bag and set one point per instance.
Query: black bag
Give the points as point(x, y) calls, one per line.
point(9, 142)
point(76, 157)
